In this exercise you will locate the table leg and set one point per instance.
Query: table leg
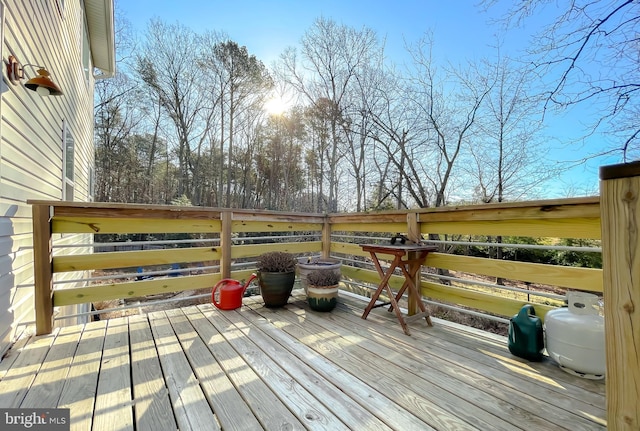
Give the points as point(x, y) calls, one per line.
point(414, 294)
point(384, 283)
point(411, 272)
point(413, 277)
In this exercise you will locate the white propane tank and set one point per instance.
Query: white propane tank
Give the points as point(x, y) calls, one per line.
point(574, 336)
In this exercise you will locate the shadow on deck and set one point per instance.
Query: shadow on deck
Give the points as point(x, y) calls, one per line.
point(256, 368)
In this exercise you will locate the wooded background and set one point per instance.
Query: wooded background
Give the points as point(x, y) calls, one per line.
point(185, 120)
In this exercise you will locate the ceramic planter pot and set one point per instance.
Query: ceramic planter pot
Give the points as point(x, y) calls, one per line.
point(304, 268)
point(322, 298)
point(276, 287)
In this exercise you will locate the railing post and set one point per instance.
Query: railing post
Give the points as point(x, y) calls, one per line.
point(226, 218)
point(620, 218)
point(413, 233)
point(326, 238)
point(43, 268)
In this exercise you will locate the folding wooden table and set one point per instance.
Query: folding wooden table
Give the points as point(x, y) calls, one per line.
point(409, 259)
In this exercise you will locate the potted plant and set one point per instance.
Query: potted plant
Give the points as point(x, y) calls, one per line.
point(276, 276)
point(322, 289)
point(311, 263)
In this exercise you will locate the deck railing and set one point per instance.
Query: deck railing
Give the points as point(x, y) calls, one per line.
point(226, 243)
point(230, 239)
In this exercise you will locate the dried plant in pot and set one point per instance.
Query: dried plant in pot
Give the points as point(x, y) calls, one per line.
point(309, 264)
point(322, 289)
point(276, 276)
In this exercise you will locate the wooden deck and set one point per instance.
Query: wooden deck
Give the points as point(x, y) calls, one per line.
point(198, 368)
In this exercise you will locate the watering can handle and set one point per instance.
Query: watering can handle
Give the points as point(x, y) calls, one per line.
point(527, 310)
point(229, 280)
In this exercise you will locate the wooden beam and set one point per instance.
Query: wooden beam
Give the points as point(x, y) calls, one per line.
point(133, 289)
point(620, 214)
point(225, 243)
point(589, 279)
point(413, 233)
point(43, 269)
point(67, 224)
point(365, 226)
point(274, 226)
point(326, 239)
point(131, 259)
point(578, 227)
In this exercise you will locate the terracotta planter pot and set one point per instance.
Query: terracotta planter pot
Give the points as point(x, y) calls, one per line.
point(276, 287)
point(322, 298)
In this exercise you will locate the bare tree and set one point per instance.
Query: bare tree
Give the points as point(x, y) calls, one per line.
point(362, 129)
point(332, 54)
point(279, 162)
point(508, 160)
point(591, 50)
point(394, 131)
point(244, 83)
point(117, 116)
point(447, 107)
point(166, 65)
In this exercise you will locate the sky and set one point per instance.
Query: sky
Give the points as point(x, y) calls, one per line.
point(461, 30)
point(267, 28)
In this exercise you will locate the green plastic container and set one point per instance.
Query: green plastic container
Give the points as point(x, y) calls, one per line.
point(526, 338)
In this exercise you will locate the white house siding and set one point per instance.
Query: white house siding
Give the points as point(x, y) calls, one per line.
point(31, 145)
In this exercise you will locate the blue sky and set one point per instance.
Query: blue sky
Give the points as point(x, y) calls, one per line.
point(268, 27)
point(461, 30)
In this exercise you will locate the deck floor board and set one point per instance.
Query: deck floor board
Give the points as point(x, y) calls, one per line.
point(188, 399)
point(231, 411)
point(264, 403)
point(309, 375)
point(78, 392)
point(446, 383)
point(407, 390)
point(114, 405)
point(152, 403)
point(494, 381)
point(255, 368)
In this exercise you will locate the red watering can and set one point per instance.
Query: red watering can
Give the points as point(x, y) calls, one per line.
point(230, 293)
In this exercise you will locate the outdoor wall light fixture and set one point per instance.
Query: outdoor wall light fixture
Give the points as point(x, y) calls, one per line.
point(41, 84)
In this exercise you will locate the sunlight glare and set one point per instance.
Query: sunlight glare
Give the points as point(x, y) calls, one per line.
point(275, 106)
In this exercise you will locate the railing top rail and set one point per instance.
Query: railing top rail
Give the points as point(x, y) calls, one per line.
point(545, 203)
point(131, 207)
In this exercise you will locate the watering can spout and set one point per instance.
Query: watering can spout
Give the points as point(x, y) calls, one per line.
point(230, 293)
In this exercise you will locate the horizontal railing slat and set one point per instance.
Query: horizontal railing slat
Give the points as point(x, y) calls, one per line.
point(554, 275)
point(273, 226)
point(387, 228)
point(254, 250)
point(129, 259)
point(370, 276)
point(560, 209)
point(132, 225)
point(583, 228)
point(347, 248)
point(479, 300)
point(134, 289)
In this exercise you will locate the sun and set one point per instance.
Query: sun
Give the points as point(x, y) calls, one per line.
point(275, 106)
